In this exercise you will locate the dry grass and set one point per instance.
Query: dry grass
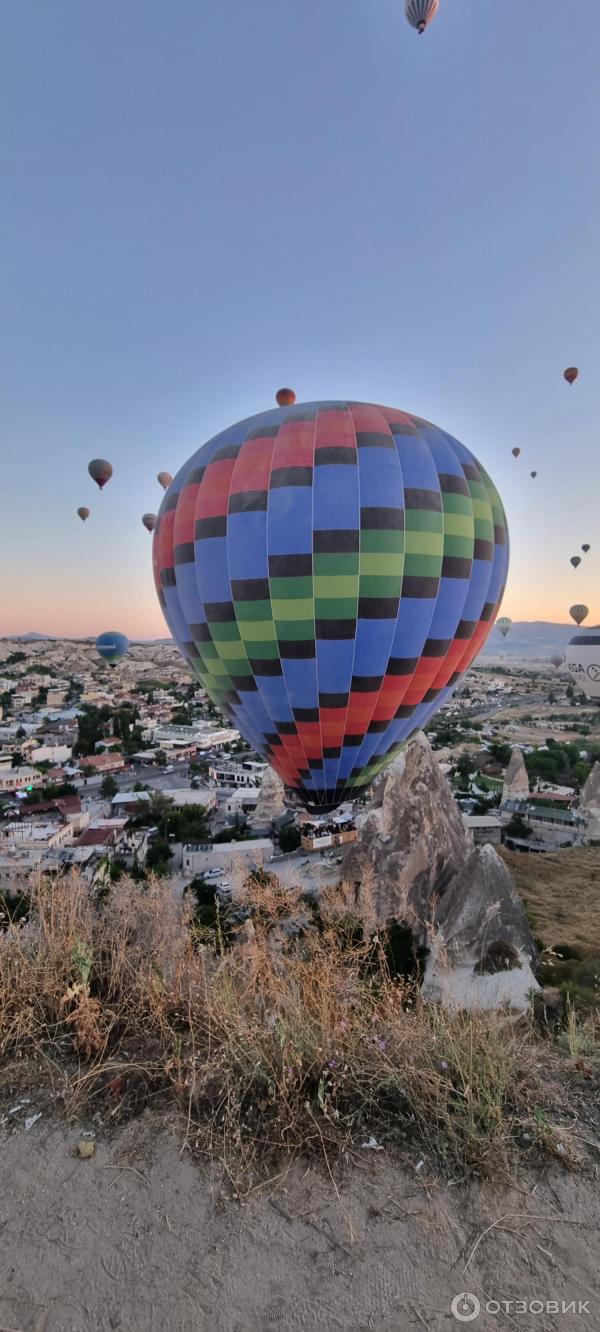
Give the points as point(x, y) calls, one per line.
point(561, 891)
point(291, 1041)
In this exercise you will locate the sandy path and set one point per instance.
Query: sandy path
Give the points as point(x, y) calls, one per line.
point(142, 1239)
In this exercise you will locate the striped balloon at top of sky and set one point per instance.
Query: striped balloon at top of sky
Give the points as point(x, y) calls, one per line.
point(330, 570)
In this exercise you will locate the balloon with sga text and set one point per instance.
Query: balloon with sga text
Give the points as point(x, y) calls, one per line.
point(330, 570)
point(420, 13)
point(111, 646)
point(83, 513)
point(100, 471)
point(583, 661)
point(579, 613)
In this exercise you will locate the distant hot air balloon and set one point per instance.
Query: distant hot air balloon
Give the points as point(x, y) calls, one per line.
point(100, 471)
point(579, 613)
point(285, 397)
point(583, 661)
point(420, 13)
point(112, 646)
point(83, 513)
point(515, 453)
point(585, 548)
point(149, 521)
point(533, 474)
point(557, 660)
point(571, 374)
point(310, 574)
point(164, 479)
point(575, 560)
point(504, 624)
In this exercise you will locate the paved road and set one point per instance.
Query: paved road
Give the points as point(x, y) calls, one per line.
point(156, 778)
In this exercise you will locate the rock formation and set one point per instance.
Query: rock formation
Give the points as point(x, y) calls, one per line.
point(412, 840)
point(414, 863)
point(270, 804)
point(481, 950)
point(516, 781)
point(589, 805)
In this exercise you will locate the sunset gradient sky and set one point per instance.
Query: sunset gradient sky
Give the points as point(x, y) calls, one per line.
point(204, 201)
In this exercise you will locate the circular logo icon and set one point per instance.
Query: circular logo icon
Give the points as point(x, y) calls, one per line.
point(465, 1307)
point(593, 672)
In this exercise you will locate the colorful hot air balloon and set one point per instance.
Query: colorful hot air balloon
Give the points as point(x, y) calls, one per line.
point(100, 471)
point(583, 661)
point(575, 560)
point(420, 13)
point(585, 548)
point(578, 613)
point(285, 397)
point(533, 474)
point(330, 571)
point(571, 374)
point(557, 660)
point(164, 479)
point(149, 521)
point(515, 453)
point(504, 624)
point(83, 513)
point(112, 646)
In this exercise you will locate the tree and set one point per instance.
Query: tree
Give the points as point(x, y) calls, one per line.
point(289, 837)
point(160, 758)
point(518, 826)
point(108, 787)
point(158, 857)
point(500, 752)
point(91, 726)
point(17, 758)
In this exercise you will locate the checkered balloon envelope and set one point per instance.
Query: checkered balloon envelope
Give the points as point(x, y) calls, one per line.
point(330, 570)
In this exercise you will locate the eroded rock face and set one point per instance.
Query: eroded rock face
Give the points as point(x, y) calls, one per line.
point(482, 951)
point(516, 781)
point(589, 805)
point(412, 840)
point(270, 804)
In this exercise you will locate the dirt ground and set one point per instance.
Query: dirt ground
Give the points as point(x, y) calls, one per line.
point(141, 1238)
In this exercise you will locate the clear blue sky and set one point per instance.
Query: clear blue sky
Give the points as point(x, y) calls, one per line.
point(202, 201)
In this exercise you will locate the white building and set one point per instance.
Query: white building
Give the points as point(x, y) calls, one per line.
point(229, 857)
point(247, 773)
point(19, 779)
point(30, 834)
point(242, 801)
point(202, 735)
point(203, 796)
point(48, 753)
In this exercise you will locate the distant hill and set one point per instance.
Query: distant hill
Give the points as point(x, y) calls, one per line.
point(529, 638)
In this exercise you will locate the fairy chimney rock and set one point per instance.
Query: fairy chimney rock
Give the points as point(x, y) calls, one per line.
point(271, 802)
point(412, 840)
point(516, 781)
point(589, 805)
point(481, 950)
